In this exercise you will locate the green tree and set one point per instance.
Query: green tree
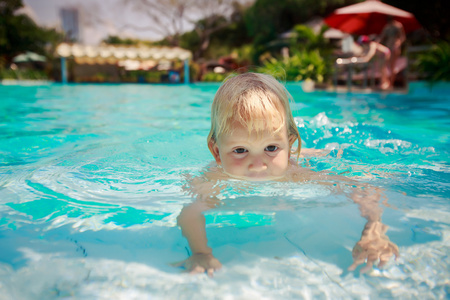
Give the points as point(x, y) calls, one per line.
point(170, 18)
point(115, 40)
point(18, 33)
point(267, 19)
point(217, 35)
point(310, 57)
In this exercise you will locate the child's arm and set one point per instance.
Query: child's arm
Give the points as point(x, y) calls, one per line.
point(192, 223)
point(374, 244)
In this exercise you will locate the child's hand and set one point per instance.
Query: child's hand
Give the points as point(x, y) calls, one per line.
point(374, 245)
point(200, 263)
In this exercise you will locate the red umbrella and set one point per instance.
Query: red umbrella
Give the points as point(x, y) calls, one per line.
point(369, 17)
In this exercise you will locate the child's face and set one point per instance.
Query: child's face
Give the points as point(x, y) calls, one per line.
point(252, 156)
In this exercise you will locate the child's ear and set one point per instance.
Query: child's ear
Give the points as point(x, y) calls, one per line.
point(214, 150)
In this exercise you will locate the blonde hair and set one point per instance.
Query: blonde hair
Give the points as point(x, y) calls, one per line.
point(258, 102)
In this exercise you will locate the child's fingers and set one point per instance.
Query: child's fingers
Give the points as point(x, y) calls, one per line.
point(384, 258)
point(354, 265)
point(197, 270)
point(396, 251)
point(210, 272)
point(216, 265)
point(367, 267)
point(382, 262)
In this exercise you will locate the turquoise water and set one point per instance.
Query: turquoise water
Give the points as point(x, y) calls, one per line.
point(92, 176)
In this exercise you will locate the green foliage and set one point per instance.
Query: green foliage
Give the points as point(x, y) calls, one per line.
point(300, 66)
point(115, 40)
point(310, 59)
point(153, 76)
point(235, 34)
point(435, 63)
point(214, 77)
point(18, 33)
point(267, 19)
point(262, 21)
point(216, 35)
point(8, 7)
point(243, 54)
point(304, 38)
point(23, 74)
point(190, 40)
point(143, 76)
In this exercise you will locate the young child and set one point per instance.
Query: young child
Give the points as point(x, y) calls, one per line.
point(252, 137)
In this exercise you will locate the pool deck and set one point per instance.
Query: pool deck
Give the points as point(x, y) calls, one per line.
point(359, 89)
point(356, 89)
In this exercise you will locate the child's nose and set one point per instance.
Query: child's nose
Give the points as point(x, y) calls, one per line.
point(257, 165)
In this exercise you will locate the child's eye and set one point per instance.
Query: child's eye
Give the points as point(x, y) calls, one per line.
point(271, 148)
point(240, 150)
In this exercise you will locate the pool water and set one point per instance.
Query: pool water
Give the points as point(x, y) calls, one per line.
point(92, 180)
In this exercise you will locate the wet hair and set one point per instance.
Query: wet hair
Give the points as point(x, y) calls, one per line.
point(258, 102)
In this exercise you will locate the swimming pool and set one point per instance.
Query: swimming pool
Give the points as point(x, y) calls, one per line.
point(91, 183)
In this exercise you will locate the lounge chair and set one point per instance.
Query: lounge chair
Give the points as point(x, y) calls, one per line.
point(355, 69)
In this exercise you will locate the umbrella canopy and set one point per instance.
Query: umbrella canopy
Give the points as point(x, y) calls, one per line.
point(28, 56)
point(369, 17)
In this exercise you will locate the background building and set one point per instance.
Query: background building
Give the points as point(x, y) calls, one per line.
point(70, 24)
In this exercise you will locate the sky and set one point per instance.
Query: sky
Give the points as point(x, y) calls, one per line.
point(98, 18)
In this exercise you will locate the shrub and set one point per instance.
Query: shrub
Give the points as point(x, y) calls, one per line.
point(214, 77)
point(23, 74)
point(435, 64)
point(301, 66)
